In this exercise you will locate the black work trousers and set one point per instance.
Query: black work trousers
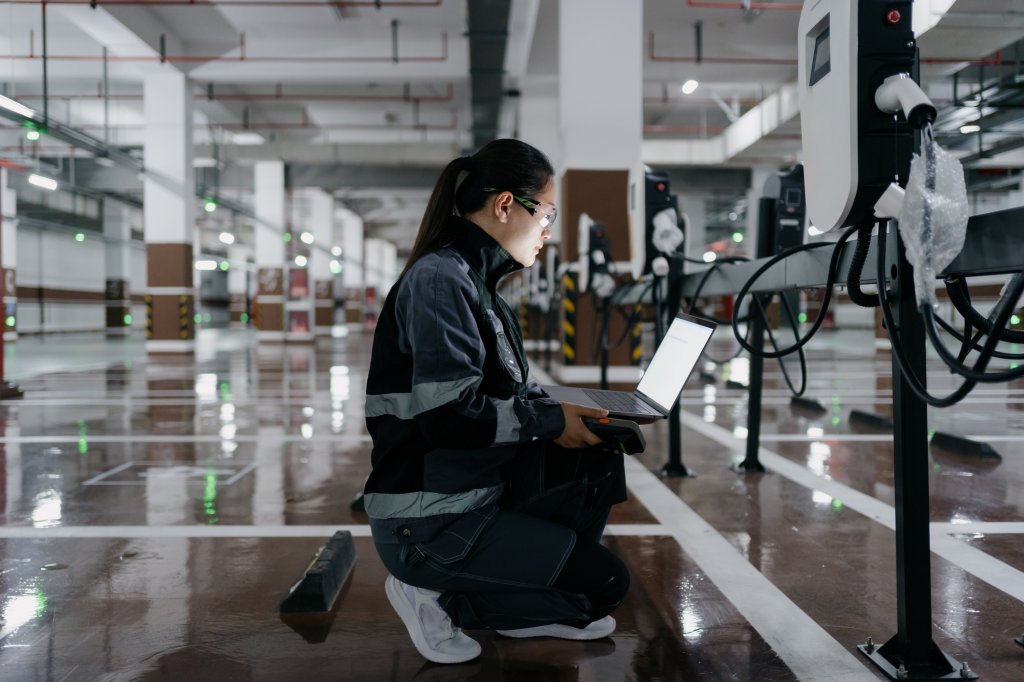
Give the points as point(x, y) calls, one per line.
point(535, 557)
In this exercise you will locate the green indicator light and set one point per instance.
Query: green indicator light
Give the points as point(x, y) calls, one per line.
point(1014, 319)
point(1014, 365)
point(287, 236)
point(210, 495)
point(10, 320)
point(41, 602)
point(32, 135)
point(931, 434)
point(737, 237)
point(224, 265)
point(936, 467)
point(802, 317)
point(83, 446)
point(210, 206)
point(835, 421)
point(244, 317)
point(79, 236)
point(127, 318)
point(837, 504)
point(207, 317)
point(197, 318)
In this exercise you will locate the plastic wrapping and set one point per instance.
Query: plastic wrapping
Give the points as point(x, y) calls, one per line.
point(933, 223)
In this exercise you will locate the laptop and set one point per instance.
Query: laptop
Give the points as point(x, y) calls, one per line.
point(662, 382)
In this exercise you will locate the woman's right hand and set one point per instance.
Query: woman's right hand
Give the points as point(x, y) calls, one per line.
point(576, 434)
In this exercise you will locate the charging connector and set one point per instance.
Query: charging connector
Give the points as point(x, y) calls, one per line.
point(901, 93)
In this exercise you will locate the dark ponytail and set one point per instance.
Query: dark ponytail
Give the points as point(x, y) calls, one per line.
point(510, 165)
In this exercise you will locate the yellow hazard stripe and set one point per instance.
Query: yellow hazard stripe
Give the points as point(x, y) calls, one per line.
point(569, 306)
point(569, 283)
point(569, 328)
point(568, 351)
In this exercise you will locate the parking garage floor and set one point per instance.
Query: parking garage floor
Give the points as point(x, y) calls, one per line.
point(156, 510)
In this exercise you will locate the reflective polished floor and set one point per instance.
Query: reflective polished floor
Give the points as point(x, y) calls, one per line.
point(156, 510)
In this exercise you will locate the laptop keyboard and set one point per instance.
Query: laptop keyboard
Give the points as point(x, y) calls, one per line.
point(617, 401)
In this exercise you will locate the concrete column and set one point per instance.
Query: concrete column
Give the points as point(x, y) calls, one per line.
point(9, 253)
point(600, 125)
point(117, 229)
point(238, 293)
point(270, 252)
point(353, 279)
point(321, 224)
point(169, 213)
point(538, 109)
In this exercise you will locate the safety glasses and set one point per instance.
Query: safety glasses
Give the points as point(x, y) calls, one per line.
point(544, 214)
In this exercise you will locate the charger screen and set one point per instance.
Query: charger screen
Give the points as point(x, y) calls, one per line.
point(821, 63)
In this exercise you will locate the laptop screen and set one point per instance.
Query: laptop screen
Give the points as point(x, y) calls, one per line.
point(674, 360)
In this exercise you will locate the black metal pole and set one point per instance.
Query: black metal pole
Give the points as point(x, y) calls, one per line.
point(911, 653)
point(766, 208)
point(665, 312)
point(605, 313)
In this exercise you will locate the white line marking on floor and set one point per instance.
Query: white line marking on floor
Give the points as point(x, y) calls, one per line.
point(804, 646)
point(983, 527)
point(996, 573)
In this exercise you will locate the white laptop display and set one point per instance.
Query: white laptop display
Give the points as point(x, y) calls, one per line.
point(654, 397)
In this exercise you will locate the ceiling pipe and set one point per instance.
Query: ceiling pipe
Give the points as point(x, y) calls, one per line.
point(379, 4)
point(743, 5)
point(996, 60)
point(279, 95)
point(240, 59)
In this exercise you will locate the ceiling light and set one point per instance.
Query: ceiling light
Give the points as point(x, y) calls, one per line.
point(206, 265)
point(42, 181)
point(970, 128)
point(710, 257)
point(306, 237)
point(247, 139)
point(32, 135)
point(335, 250)
point(300, 261)
point(227, 237)
point(690, 86)
point(16, 107)
point(209, 205)
point(335, 267)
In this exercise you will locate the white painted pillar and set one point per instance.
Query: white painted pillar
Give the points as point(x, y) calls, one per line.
point(117, 228)
point(270, 249)
point(8, 266)
point(350, 225)
point(169, 212)
point(321, 224)
point(600, 125)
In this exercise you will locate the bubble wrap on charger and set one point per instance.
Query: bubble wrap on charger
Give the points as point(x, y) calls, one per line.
point(933, 223)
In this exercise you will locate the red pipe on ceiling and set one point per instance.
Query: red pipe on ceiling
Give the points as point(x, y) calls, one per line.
point(237, 3)
point(241, 58)
point(276, 97)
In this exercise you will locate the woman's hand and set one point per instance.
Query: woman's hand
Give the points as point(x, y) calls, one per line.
point(576, 434)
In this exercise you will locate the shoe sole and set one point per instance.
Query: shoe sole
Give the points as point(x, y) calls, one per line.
point(575, 634)
point(401, 606)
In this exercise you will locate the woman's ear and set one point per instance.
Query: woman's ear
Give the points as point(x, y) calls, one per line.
point(503, 206)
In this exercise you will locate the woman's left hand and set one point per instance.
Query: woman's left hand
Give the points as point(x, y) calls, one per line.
point(576, 434)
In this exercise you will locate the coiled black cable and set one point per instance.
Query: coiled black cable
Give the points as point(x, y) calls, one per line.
point(833, 273)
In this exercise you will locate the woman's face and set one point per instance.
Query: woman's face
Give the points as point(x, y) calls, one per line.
point(524, 223)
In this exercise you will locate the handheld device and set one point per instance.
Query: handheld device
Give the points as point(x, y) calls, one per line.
point(624, 434)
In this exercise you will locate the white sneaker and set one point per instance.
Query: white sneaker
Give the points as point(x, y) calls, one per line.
point(596, 630)
point(429, 626)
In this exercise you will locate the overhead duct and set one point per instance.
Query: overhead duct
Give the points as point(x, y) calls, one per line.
point(488, 37)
